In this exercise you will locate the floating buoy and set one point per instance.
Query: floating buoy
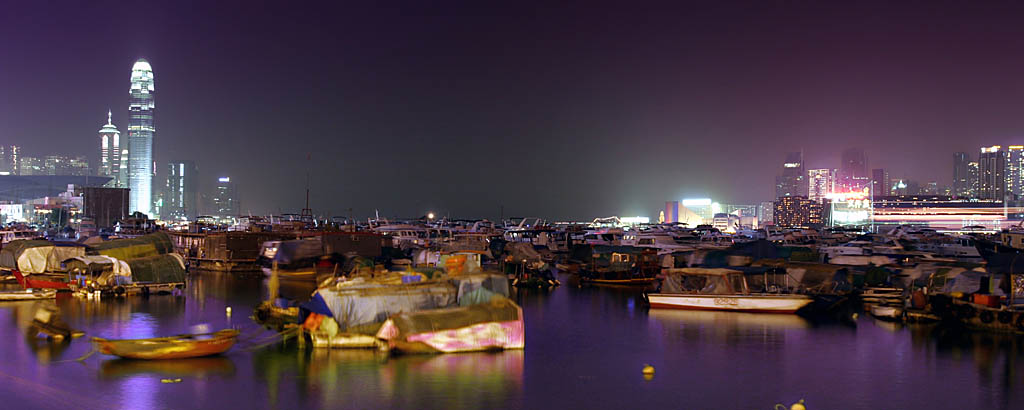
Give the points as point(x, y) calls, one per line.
point(170, 381)
point(227, 310)
point(648, 372)
point(796, 406)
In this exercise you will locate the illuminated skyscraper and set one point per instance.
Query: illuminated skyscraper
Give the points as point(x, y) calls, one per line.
point(1015, 172)
point(973, 180)
point(225, 199)
point(110, 152)
point(140, 138)
point(992, 173)
point(820, 182)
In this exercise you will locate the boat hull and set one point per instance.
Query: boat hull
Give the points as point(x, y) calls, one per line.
point(28, 295)
point(731, 303)
point(28, 282)
point(179, 347)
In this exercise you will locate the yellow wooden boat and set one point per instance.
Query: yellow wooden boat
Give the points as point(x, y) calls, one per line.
point(173, 347)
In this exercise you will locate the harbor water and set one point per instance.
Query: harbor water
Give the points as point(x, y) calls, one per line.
point(585, 348)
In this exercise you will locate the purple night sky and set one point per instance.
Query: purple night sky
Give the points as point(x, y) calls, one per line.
point(554, 111)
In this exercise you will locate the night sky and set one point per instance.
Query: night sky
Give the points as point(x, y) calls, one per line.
point(553, 111)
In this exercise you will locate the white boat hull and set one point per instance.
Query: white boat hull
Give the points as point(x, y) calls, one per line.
point(36, 294)
point(733, 303)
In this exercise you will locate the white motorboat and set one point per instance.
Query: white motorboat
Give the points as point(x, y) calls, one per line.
point(720, 289)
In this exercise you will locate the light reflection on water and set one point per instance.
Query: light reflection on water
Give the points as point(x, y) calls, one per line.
point(584, 348)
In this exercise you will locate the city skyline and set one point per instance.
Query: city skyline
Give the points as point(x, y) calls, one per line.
point(458, 107)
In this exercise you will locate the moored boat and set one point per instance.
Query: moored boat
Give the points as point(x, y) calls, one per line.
point(720, 289)
point(27, 294)
point(173, 347)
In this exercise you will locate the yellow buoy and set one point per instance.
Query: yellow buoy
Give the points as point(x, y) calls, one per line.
point(648, 369)
point(228, 310)
point(798, 405)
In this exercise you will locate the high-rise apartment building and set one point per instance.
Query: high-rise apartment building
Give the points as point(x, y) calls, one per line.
point(792, 181)
point(1015, 172)
point(820, 183)
point(110, 153)
point(961, 175)
point(140, 138)
point(797, 211)
point(181, 191)
point(992, 173)
point(973, 180)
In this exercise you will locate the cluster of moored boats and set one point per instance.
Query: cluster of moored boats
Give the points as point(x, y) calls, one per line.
point(425, 286)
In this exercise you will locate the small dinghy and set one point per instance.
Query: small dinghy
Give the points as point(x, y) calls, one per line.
point(28, 294)
point(173, 347)
point(887, 312)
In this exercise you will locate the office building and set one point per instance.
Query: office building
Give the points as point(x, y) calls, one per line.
point(961, 175)
point(141, 131)
point(30, 166)
point(181, 191)
point(880, 183)
point(792, 181)
point(225, 198)
point(65, 165)
point(9, 160)
point(110, 153)
point(853, 172)
point(765, 213)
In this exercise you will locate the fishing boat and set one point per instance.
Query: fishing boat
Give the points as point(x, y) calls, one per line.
point(173, 347)
point(720, 289)
point(27, 294)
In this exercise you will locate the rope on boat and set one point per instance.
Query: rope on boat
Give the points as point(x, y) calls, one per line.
point(259, 343)
point(80, 359)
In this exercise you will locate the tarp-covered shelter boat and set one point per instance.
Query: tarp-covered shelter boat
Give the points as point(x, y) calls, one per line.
point(351, 315)
point(173, 347)
point(157, 243)
point(38, 256)
point(496, 324)
point(152, 274)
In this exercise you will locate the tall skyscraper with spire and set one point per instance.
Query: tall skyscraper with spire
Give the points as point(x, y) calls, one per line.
point(110, 153)
point(140, 139)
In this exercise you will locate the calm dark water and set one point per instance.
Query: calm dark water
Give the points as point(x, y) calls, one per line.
point(585, 349)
